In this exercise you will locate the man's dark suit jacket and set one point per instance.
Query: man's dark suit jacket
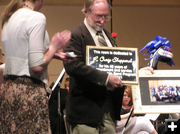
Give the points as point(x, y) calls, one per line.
point(89, 98)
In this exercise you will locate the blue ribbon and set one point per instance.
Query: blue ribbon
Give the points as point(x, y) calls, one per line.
point(154, 45)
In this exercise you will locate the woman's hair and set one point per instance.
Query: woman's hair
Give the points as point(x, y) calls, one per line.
point(89, 3)
point(128, 90)
point(12, 7)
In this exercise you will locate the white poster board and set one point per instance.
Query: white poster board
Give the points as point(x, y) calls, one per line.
point(158, 92)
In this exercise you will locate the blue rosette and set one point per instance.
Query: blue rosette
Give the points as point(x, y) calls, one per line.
point(158, 49)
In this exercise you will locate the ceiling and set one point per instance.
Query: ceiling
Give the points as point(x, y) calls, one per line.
point(115, 2)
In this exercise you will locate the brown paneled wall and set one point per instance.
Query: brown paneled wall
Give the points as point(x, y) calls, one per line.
point(136, 25)
point(115, 2)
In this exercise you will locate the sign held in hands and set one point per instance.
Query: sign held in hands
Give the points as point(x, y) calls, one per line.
point(122, 62)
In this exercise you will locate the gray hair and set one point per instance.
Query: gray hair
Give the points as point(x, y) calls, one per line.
point(88, 4)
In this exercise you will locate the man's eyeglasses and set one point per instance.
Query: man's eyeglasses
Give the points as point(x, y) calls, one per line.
point(104, 17)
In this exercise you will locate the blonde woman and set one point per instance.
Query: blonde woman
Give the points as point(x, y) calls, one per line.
point(23, 101)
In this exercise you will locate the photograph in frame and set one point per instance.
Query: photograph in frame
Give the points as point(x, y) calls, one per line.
point(158, 92)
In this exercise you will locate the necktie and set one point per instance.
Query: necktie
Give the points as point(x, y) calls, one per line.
point(101, 39)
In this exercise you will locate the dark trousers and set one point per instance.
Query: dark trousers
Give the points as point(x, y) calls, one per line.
point(56, 119)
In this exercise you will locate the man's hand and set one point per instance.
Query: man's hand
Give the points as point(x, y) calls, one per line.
point(114, 81)
point(147, 70)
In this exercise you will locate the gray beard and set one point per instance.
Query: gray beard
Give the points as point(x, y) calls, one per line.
point(94, 25)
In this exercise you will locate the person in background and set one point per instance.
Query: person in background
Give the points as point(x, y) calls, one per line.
point(57, 104)
point(136, 124)
point(66, 84)
point(28, 51)
point(92, 106)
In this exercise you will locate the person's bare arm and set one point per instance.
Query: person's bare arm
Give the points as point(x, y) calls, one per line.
point(58, 42)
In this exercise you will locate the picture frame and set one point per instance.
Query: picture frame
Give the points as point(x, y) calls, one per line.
point(158, 92)
point(120, 61)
